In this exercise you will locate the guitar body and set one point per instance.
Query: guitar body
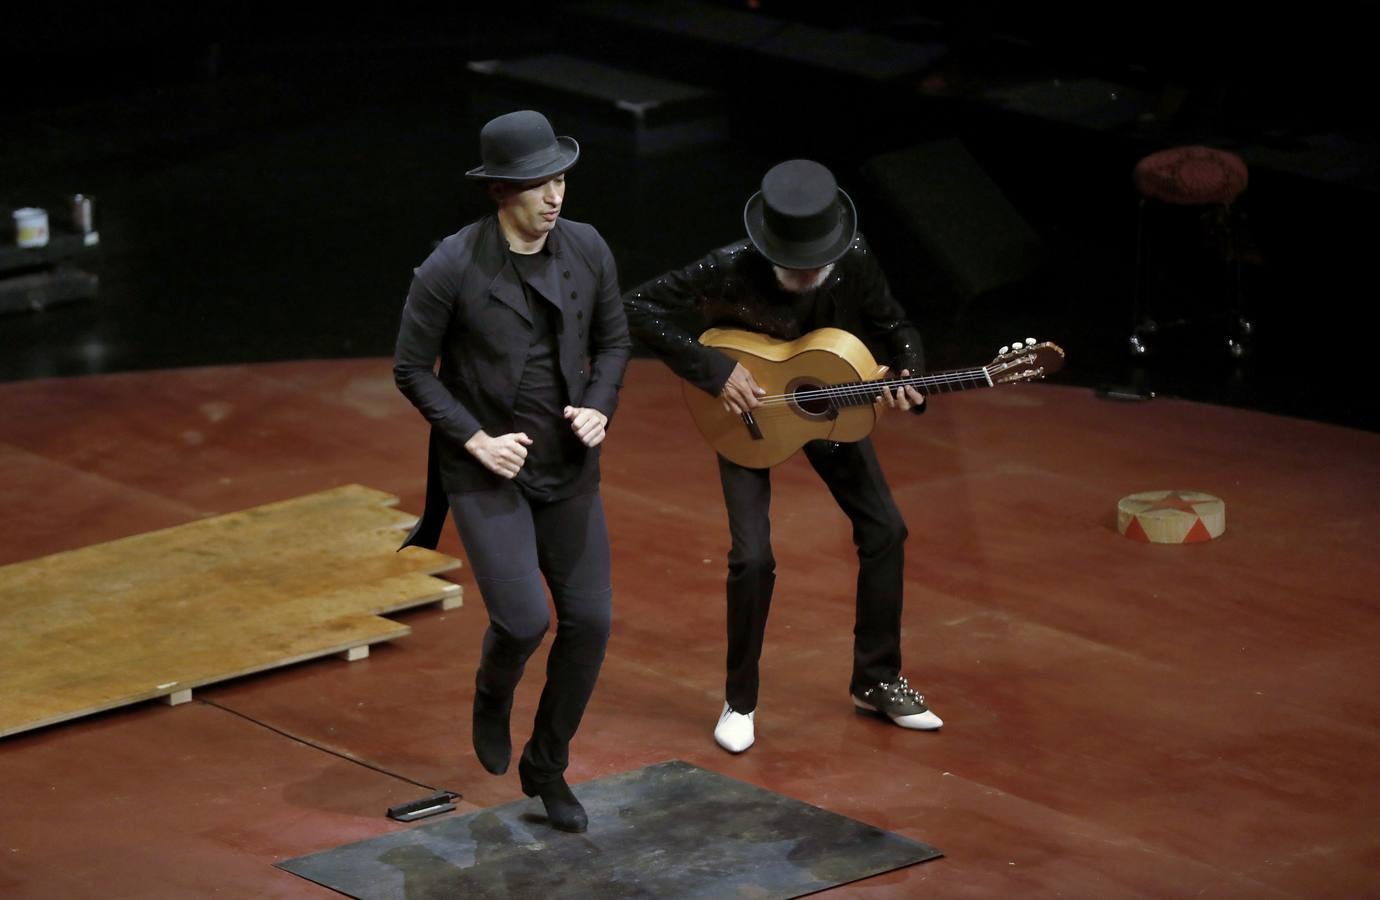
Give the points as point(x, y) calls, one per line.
point(824, 386)
point(785, 368)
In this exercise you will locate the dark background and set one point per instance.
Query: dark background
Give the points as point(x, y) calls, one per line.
point(265, 178)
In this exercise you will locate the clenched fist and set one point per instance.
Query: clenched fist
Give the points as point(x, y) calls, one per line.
point(588, 424)
point(502, 455)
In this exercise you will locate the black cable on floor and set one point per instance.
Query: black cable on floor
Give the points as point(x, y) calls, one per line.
point(314, 745)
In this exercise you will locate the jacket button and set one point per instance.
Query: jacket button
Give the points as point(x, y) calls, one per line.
point(573, 295)
point(567, 274)
point(579, 314)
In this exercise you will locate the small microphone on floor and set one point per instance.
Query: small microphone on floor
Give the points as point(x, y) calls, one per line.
point(435, 804)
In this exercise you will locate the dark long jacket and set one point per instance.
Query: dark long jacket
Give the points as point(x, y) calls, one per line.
point(466, 308)
point(735, 287)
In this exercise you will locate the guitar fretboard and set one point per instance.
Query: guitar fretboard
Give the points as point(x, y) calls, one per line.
point(861, 393)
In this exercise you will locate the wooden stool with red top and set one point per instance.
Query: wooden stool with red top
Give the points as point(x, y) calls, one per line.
point(1204, 182)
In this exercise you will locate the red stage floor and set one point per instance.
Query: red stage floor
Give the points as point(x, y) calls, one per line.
point(1123, 719)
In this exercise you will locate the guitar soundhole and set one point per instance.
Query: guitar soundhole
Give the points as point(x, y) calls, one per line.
point(808, 400)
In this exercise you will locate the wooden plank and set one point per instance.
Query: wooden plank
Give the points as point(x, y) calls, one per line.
point(158, 614)
point(280, 547)
point(306, 521)
point(57, 695)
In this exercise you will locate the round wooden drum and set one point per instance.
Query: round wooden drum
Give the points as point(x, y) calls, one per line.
point(1171, 517)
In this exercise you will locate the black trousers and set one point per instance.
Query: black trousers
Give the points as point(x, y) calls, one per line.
point(512, 544)
point(854, 477)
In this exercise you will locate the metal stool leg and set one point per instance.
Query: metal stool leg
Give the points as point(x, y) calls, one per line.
point(1238, 342)
point(1137, 345)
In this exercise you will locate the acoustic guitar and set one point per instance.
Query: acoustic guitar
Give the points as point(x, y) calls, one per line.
point(824, 385)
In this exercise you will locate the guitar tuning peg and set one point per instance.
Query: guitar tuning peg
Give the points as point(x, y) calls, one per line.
point(1016, 344)
point(1030, 342)
point(1002, 351)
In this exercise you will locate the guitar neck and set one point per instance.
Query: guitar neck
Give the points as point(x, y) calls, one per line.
point(861, 393)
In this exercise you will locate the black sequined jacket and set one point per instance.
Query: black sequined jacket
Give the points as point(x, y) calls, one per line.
point(735, 287)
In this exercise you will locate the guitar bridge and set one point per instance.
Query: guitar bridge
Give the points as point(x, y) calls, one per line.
point(753, 431)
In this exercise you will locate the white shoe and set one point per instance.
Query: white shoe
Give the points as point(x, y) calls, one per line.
point(734, 732)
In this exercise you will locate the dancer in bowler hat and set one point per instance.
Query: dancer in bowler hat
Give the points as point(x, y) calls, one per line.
point(803, 266)
point(522, 309)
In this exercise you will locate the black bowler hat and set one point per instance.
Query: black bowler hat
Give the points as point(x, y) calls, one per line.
point(521, 146)
point(801, 218)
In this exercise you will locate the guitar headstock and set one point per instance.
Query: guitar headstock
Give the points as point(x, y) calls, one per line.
point(1025, 361)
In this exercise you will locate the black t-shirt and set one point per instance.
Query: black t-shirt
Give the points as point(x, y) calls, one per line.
point(556, 459)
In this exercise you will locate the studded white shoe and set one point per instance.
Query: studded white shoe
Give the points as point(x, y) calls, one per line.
point(900, 703)
point(734, 732)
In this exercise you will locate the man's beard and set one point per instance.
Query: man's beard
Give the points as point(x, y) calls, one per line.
point(797, 281)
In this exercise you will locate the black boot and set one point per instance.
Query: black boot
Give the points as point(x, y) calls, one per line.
point(563, 810)
point(492, 744)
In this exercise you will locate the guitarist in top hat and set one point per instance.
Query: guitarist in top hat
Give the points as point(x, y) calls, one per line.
point(804, 266)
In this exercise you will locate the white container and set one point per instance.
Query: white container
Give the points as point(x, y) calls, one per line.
point(81, 214)
point(31, 227)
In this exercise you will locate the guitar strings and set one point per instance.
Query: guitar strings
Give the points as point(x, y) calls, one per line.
point(874, 387)
point(865, 387)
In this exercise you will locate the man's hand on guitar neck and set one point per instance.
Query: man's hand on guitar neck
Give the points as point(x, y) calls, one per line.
point(903, 397)
point(740, 392)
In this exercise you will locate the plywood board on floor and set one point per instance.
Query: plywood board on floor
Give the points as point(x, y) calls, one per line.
point(160, 613)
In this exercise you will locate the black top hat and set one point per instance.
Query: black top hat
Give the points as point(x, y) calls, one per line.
point(521, 146)
point(801, 218)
